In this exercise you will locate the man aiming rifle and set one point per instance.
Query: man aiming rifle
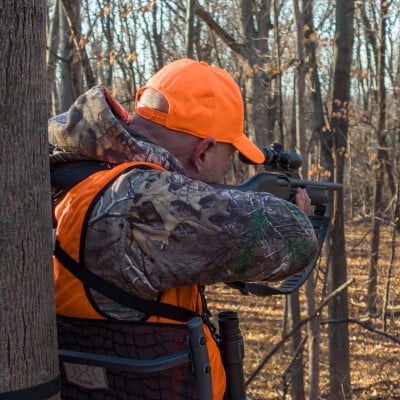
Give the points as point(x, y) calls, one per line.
point(135, 207)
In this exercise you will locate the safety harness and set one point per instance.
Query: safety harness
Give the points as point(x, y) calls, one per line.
point(66, 178)
point(71, 330)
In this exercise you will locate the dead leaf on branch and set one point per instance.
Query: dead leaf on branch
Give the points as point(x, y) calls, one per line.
point(132, 57)
point(83, 41)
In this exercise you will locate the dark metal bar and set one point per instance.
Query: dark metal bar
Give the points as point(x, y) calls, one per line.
point(127, 364)
point(199, 357)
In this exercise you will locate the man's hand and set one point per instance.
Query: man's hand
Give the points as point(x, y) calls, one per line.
point(303, 201)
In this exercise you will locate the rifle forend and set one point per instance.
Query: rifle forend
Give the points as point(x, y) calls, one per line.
point(283, 186)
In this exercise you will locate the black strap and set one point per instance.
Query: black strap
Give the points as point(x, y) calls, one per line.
point(39, 392)
point(148, 307)
point(66, 176)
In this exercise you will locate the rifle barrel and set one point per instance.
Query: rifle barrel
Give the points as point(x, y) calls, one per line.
point(317, 184)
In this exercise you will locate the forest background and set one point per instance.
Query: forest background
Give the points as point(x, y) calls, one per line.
point(322, 78)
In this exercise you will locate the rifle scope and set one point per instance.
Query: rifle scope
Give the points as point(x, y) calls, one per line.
point(276, 159)
point(232, 353)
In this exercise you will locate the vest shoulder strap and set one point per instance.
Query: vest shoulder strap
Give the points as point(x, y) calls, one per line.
point(66, 178)
point(113, 292)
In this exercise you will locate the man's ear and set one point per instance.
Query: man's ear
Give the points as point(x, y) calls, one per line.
point(200, 152)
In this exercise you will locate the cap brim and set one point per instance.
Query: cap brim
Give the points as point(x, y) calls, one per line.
point(249, 150)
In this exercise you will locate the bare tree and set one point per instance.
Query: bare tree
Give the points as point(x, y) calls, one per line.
point(253, 48)
point(299, 122)
point(317, 126)
point(189, 31)
point(53, 40)
point(28, 345)
point(301, 143)
point(66, 87)
point(297, 375)
point(339, 358)
point(78, 41)
point(382, 159)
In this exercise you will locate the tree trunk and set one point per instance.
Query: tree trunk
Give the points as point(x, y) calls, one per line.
point(69, 7)
point(189, 29)
point(158, 33)
point(297, 387)
point(108, 24)
point(313, 327)
point(255, 25)
point(66, 89)
point(301, 143)
point(278, 52)
point(294, 306)
point(339, 359)
point(380, 169)
point(28, 342)
point(53, 41)
point(311, 44)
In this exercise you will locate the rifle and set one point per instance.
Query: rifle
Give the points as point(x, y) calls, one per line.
point(279, 181)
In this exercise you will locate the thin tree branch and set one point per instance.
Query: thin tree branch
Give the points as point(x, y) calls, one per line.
point(286, 376)
point(362, 240)
point(238, 48)
point(53, 53)
point(266, 358)
point(365, 325)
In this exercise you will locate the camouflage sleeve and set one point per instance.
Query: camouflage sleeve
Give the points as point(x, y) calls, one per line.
point(162, 230)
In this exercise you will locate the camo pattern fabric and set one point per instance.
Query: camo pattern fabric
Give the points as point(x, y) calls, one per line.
point(153, 230)
point(91, 130)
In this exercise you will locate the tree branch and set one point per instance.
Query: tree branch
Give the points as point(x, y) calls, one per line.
point(266, 358)
point(238, 48)
point(53, 53)
point(365, 325)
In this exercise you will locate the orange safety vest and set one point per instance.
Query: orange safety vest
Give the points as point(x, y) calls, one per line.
point(70, 293)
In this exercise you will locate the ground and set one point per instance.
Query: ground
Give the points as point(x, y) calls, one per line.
point(375, 359)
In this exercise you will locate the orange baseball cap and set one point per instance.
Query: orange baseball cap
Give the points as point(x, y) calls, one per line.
point(203, 101)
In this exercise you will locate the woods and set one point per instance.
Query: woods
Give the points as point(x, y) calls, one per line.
point(322, 78)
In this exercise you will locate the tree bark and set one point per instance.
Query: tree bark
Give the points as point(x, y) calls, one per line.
point(382, 158)
point(318, 122)
point(158, 33)
point(278, 52)
point(28, 342)
point(53, 41)
point(297, 387)
point(294, 306)
point(311, 45)
point(66, 88)
point(301, 144)
point(189, 28)
point(339, 359)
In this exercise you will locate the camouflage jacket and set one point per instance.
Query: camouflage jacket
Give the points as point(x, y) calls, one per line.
point(153, 230)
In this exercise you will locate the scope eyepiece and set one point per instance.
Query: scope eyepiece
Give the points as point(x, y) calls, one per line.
point(276, 159)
